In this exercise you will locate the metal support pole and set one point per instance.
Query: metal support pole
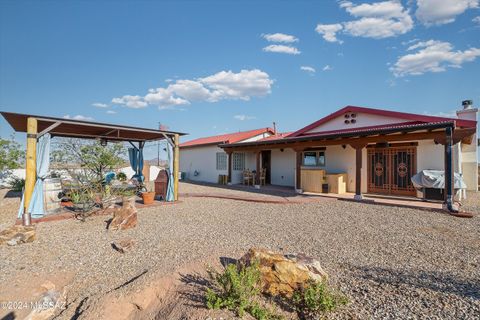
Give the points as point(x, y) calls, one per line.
point(449, 174)
point(176, 164)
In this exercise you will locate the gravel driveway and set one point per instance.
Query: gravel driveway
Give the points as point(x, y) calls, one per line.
point(391, 262)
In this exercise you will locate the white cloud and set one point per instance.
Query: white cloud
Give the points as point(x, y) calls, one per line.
point(134, 102)
point(100, 105)
point(432, 56)
point(280, 48)
point(327, 68)
point(279, 37)
point(476, 20)
point(220, 86)
point(243, 117)
point(437, 12)
point(308, 69)
point(329, 31)
point(78, 117)
point(374, 20)
point(111, 112)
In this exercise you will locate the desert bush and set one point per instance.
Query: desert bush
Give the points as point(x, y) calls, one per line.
point(238, 289)
point(16, 184)
point(315, 299)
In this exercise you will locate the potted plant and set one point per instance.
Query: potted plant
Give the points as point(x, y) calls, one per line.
point(148, 196)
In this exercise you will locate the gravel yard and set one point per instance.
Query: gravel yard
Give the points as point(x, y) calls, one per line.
point(391, 262)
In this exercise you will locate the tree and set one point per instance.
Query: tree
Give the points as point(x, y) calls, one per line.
point(11, 154)
point(87, 161)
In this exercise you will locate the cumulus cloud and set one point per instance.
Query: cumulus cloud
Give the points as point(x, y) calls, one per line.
point(329, 31)
point(100, 105)
point(432, 56)
point(78, 117)
point(373, 20)
point(134, 102)
point(438, 12)
point(111, 112)
point(279, 37)
point(308, 69)
point(476, 20)
point(327, 68)
point(243, 117)
point(224, 85)
point(280, 48)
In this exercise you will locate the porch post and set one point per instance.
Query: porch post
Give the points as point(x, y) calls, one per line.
point(229, 167)
point(358, 170)
point(298, 170)
point(176, 165)
point(449, 174)
point(30, 168)
point(257, 168)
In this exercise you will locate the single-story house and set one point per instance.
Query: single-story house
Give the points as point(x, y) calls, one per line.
point(371, 150)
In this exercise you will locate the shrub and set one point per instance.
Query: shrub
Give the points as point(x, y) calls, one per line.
point(121, 176)
point(237, 289)
point(17, 184)
point(315, 298)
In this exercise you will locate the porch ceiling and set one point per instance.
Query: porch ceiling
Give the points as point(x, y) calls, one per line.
point(412, 132)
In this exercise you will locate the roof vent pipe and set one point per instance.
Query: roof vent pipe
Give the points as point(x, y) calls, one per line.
point(467, 104)
point(274, 128)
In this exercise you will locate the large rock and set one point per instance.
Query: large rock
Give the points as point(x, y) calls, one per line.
point(124, 217)
point(17, 234)
point(283, 274)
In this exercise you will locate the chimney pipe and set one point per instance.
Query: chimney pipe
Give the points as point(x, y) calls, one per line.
point(467, 104)
point(274, 128)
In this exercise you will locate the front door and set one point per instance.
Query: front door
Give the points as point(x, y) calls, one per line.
point(266, 164)
point(389, 170)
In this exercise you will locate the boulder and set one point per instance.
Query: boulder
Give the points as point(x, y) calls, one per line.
point(17, 234)
point(283, 274)
point(124, 217)
point(123, 245)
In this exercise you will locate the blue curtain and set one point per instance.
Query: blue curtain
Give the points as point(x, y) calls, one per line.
point(170, 195)
point(36, 206)
point(136, 162)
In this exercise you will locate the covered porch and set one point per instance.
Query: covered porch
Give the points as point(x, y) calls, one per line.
point(357, 150)
point(40, 130)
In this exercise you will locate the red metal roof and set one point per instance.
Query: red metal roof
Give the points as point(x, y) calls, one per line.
point(226, 138)
point(394, 114)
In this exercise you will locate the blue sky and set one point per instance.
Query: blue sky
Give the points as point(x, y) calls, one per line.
point(210, 67)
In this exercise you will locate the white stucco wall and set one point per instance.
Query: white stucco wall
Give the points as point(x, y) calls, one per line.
point(202, 159)
point(362, 120)
point(283, 167)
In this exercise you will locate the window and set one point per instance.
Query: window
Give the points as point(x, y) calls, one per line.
point(221, 161)
point(314, 158)
point(238, 161)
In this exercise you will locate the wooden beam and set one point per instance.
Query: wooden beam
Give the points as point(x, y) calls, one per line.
point(464, 135)
point(30, 168)
point(48, 129)
point(176, 165)
point(229, 167)
point(362, 140)
point(258, 168)
point(358, 169)
point(298, 169)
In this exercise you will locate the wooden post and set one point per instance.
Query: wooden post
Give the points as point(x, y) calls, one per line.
point(358, 170)
point(229, 167)
point(258, 169)
point(30, 167)
point(176, 165)
point(298, 170)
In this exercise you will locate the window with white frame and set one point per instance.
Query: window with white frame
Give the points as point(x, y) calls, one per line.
point(221, 161)
point(314, 158)
point(238, 161)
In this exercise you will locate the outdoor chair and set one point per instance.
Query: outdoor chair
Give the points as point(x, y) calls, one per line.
point(263, 176)
point(247, 177)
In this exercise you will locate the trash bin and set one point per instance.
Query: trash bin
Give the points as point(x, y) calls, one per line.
point(161, 184)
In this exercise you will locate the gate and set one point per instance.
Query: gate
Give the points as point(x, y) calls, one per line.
point(389, 170)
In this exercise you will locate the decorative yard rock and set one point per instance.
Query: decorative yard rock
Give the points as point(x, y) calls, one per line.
point(282, 274)
point(123, 245)
point(124, 217)
point(49, 303)
point(17, 234)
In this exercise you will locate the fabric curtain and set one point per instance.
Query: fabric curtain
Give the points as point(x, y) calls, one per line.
point(170, 195)
point(136, 162)
point(36, 206)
